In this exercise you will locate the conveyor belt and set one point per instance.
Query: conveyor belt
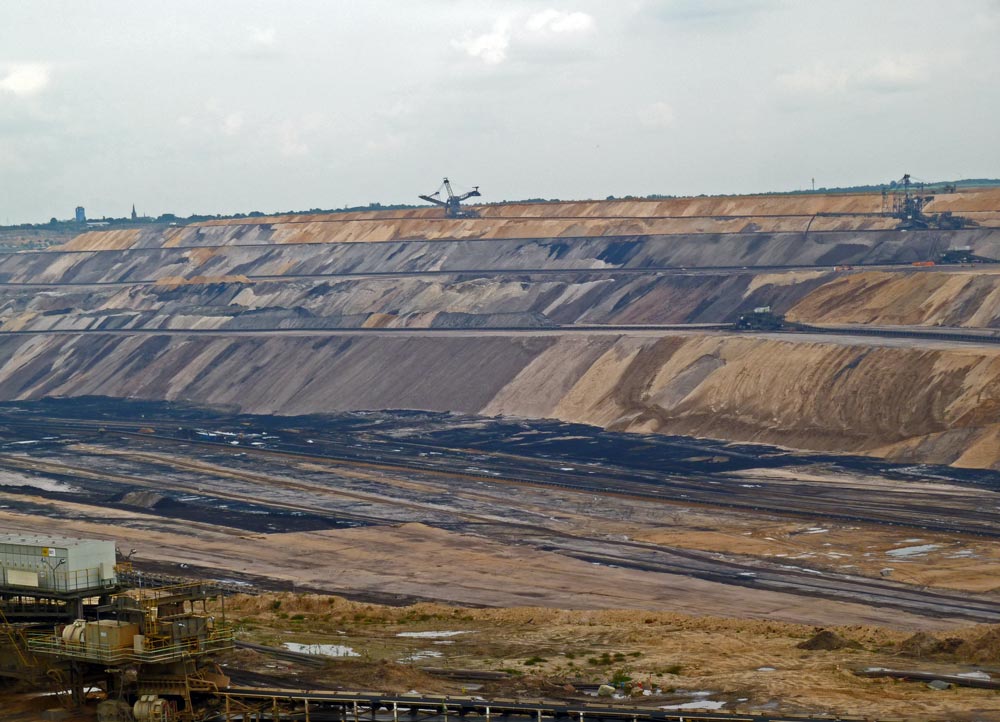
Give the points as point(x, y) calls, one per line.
point(358, 706)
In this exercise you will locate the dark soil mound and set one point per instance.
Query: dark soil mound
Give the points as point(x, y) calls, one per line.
point(983, 650)
point(921, 644)
point(950, 645)
point(828, 641)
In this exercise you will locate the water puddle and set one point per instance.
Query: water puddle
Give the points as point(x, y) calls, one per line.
point(697, 704)
point(912, 551)
point(421, 655)
point(321, 650)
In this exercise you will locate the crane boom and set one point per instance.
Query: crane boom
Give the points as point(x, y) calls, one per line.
point(452, 209)
point(431, 199)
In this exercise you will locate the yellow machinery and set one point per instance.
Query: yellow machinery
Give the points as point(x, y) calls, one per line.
point(164, 634)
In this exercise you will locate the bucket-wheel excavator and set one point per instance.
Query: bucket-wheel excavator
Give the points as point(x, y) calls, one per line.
point(451, 204)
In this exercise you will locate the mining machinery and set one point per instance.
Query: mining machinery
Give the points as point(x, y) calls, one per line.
point(70, 622)
point(907, 206)
point(451, 205)
point(761, 318)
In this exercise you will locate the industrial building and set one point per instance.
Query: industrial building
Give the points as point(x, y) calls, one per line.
point(61, 565)
point(69, 623)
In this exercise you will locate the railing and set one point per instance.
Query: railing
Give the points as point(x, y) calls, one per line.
point(154, 651)
point(285, 704)
point(59, 580)
point(17, 639)
point(152, 596)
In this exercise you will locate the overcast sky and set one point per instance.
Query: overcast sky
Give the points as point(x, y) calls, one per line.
point(222, 106)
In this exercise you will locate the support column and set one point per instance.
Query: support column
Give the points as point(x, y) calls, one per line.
point(76, 683)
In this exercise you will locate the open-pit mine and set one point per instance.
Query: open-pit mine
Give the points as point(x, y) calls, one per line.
point(731, 454)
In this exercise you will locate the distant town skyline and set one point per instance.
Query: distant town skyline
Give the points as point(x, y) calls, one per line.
point(231, 107)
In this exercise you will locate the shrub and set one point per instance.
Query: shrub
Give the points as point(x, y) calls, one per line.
point(621, 677)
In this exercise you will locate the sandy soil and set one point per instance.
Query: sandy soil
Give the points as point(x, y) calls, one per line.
point(913, 401)
point(756, 541)
point(734, 665)
point(554, 220)
point(967, 297)
point(967, 563)
point(757, 662)
point(416, 560)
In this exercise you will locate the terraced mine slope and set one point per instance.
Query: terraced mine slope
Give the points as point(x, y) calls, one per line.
point(410, 505)
point(541, 310)
point(539, 408)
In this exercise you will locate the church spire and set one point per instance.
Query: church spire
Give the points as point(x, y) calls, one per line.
point(134, 216)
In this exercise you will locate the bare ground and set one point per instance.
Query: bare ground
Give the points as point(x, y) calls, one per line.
point(751, 665)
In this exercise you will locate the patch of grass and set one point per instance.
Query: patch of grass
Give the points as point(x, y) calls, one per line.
point(533, 661)
point(621, 677)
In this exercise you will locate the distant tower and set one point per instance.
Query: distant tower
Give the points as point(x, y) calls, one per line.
point(81, 216)
point(134, 214)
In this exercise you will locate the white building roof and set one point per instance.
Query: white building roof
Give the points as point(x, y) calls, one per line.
point(39, 540)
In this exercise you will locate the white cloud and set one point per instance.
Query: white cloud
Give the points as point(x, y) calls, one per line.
point(294, 135)
point(260, 43)
point(212, 120)
point(557, 21)
point(819, 78)
point(25, 79)
point(720, 14)
point(400, 108)
point(489, 47)
point(657, 115)
point(232, 123)
point(889, 74)
point(389, 143)
point(263, 37)
point(291, 145)
point(545, 28)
